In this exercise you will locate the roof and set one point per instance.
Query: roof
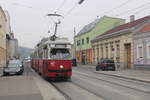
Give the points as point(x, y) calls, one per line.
point(124, 26)
point(145, 28)
point(90, 26)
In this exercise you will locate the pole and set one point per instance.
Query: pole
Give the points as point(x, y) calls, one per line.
point(74, 42)
point(56, 25)
point(54, 36)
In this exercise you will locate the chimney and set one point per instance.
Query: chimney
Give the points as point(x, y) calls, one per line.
point(132, 18)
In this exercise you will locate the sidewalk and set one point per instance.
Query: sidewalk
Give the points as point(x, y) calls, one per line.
point(29, 86)
point(139, 75)
point(19, 88)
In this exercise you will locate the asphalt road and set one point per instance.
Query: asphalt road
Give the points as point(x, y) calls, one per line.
point(87, 85)
point(84, 85)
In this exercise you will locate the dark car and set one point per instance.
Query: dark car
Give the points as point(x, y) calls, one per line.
point(106, 64)
point(74, 62)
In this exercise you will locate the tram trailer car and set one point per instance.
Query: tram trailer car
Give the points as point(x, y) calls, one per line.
point(52, 59)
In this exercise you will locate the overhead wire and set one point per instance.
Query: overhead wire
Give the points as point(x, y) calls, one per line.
point(74, 6)
point(131, 10)
point(71, 9)
point(27, 6)
point(61, 5)
point(30, 7)
point(145, 8)
point(121, 5)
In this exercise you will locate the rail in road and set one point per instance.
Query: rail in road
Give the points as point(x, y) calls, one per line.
point(73, 91)
point(131, 88)
point(62, 92)
point(145, 86)
point(86, 85)
point(132, 84)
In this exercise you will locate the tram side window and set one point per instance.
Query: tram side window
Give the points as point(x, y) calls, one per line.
point(59, 53)
point(40, 55)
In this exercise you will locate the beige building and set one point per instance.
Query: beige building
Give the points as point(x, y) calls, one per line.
point(117, 43)
point(3, 21)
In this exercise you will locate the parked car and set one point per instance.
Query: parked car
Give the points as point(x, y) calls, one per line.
point(14, 67)
point(74, 62)
point(106, 64)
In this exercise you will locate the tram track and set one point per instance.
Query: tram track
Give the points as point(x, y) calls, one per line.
point(90, 91)
point(115, 83)
point(68, 97)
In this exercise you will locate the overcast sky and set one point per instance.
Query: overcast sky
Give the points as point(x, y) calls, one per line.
point(29, 22)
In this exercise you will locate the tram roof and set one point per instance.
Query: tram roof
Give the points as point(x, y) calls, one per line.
point(58, 41)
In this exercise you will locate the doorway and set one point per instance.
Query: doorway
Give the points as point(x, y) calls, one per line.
point(128, 55)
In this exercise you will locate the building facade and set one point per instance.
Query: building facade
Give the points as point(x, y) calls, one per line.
point(117, 43)
point(142, 48)
point(3, 22)
point(83, 50)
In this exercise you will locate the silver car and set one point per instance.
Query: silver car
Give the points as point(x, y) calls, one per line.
point(14, 67)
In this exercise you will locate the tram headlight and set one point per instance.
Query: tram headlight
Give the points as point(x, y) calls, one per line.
point(61, 66)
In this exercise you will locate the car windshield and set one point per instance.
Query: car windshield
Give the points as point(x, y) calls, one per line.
point(14, 63)
point(58, 53)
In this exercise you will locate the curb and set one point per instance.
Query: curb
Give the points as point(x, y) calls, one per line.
point(130, 78)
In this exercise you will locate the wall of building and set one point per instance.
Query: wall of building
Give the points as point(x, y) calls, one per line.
point(102, 26)
point(84, 56)
point(2, 38)
point(114, 48)
point(142, 60)
point(84, 50)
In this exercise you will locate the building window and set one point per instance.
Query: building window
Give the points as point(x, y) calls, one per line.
point(148, 50)
point(140, 51)
point(78, 42)
point(87, 40)
point(82, 41)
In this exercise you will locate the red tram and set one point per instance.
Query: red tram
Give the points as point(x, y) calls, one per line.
point(52, 59)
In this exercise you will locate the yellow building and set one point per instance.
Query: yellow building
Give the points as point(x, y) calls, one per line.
point(3, 21)
point(117, 43)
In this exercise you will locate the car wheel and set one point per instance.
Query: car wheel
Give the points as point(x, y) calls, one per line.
point(5, 74)
point(97, 68)
point(19, 73)
point(113, 69)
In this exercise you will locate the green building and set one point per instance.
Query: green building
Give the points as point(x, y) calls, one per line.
point(83, 48)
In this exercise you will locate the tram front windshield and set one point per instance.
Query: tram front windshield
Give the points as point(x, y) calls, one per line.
point(59, 53)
